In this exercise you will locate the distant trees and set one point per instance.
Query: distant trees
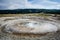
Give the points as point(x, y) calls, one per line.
point(22, 11)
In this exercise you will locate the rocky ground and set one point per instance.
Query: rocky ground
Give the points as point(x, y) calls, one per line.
point(28, 36)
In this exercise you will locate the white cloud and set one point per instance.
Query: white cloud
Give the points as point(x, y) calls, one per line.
point(46, 4)
point(13, 4)
point(22, 4)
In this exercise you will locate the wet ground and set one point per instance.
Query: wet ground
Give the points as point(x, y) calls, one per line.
point(13, 35)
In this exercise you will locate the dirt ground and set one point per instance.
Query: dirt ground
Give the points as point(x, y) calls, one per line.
point(26, 36)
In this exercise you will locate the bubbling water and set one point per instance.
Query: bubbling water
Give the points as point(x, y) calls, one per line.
point(32, 24)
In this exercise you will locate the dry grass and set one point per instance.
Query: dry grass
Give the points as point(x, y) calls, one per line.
point(31, 14)
point(31, 35)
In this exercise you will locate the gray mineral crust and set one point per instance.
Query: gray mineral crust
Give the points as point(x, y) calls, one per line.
point(28, 28)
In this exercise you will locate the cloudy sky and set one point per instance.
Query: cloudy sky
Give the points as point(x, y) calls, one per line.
point(29, 4)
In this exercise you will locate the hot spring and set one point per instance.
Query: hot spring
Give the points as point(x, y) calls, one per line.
point(28, 26)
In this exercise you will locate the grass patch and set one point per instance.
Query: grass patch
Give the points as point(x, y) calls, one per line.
point(31, 14)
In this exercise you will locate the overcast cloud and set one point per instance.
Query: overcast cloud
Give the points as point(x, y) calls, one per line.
point(27, 4)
